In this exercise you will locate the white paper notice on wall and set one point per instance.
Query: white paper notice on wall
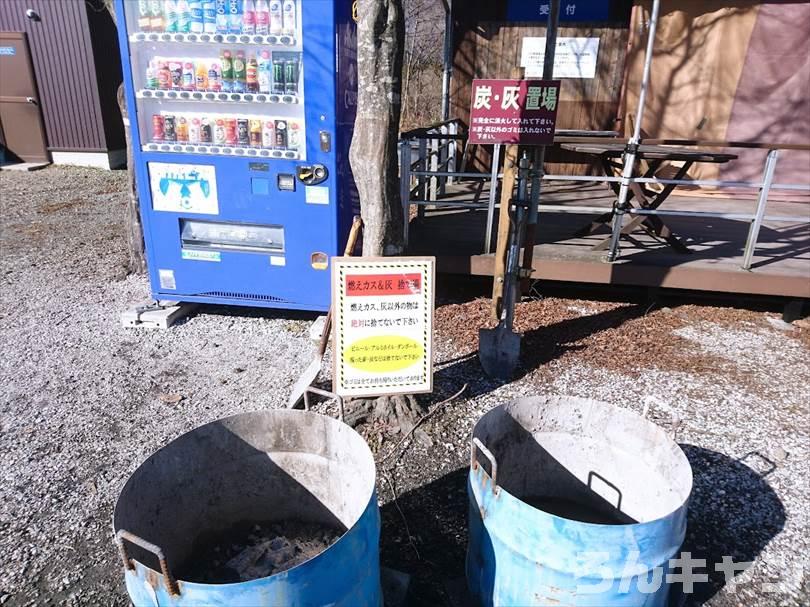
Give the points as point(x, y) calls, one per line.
point(184, 188)
point(573, 58)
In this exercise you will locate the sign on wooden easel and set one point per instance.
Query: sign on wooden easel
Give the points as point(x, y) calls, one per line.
point(383, 325)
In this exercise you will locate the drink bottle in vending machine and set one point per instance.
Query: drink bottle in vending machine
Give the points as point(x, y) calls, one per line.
point(262, 17)
point(289, 18)
point(274, 17)
point(196, 16)
point(248, 17)
point(209, 9)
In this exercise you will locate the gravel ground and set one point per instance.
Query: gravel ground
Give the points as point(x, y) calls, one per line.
point(84, 401)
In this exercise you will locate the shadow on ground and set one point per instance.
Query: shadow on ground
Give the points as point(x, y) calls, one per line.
point(733, 512)
point(739, 522)
point(540, 346)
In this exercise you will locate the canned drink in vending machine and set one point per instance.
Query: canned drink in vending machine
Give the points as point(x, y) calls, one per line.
point(194, 130)
point(176, 70)
point(188, 76)
point(205, 130)
point(294, 135)
point(278, 75)
point(214, 78)
point(291, 77)
point(281, 134)
point(157, 127)
point(151, 75)
point(169, 129)
point(201, 78)
point(255, 133)
point(231, 137)
point(219, 131)
point(164, 76)
point(243, 131)
point(182, 130)
point(269, 134)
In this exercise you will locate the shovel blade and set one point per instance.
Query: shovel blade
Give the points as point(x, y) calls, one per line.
point(499, 352)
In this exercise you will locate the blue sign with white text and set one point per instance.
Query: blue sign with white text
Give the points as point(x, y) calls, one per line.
point(9, 51)
point(570, 10)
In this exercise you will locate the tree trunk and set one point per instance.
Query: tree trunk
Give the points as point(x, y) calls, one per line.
point(380, 44)
point(137, 259)
point(380, 41)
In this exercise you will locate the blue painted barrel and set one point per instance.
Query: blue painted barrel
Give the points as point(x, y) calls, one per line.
point(573, 502)
point(264, 466)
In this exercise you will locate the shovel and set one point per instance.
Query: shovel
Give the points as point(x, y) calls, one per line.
point(314, 368)
point(499, 348)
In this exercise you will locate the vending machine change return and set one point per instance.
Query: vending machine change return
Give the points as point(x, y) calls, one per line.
point(241, 117)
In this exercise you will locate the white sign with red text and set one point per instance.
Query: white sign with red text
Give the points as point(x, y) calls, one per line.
point(383, 325)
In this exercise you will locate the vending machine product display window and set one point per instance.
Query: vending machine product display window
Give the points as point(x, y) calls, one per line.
point(242, 121)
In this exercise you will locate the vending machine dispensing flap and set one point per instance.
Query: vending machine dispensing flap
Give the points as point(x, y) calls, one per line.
point(223, 236)
point(312, 174)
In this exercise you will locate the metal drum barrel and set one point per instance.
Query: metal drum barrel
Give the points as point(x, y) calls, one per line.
point(270, 467)
point(573, 502)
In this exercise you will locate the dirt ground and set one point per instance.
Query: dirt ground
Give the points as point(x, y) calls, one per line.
point(84, 401)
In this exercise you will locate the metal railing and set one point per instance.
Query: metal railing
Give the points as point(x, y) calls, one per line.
point(425, 177)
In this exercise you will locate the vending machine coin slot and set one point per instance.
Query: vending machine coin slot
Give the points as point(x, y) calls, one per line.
point(312, 174)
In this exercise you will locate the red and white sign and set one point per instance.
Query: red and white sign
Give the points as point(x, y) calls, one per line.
point(514, 111)
point(383, 313)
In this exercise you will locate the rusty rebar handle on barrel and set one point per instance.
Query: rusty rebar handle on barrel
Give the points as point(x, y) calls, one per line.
point(477, 445)
point(326, 393)
point(168, 578)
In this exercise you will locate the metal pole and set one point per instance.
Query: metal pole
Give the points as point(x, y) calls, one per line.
point(405, 183)
point(540, 153)
point(632, 145)
point(448, 53)
point(493, 190)
point(762, 202)
point(421, 180)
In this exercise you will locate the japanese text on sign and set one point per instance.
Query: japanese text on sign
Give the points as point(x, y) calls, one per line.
point(514, 111)
point(383, 325)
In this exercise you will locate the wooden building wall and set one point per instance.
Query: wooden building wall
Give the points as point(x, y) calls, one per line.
point(77, 66)
point(485, 46)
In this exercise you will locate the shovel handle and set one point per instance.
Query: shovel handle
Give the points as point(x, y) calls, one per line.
point(351, 243)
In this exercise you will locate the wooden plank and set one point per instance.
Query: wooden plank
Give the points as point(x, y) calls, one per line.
point(507, 188)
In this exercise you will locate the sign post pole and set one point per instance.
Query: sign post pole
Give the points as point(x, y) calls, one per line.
point(540, 153)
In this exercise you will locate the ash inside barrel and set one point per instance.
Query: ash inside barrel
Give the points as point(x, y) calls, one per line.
point(249, 551)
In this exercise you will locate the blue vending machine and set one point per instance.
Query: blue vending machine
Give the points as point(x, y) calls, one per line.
point(241, 116)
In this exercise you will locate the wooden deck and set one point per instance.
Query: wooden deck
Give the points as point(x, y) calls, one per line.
point(781, 263)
